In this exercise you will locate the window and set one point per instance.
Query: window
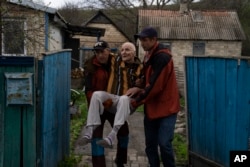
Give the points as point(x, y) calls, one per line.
point(13, 37)
point(198, 48)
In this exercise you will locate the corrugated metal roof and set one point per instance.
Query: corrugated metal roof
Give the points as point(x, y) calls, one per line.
point(194, 25)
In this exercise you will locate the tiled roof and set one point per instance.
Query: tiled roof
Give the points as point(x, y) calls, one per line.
point(194, 25)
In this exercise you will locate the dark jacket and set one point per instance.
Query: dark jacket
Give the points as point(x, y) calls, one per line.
point(96, 76)
point(160, 95)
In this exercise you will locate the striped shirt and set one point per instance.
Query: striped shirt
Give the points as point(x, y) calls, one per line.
point(123, 75)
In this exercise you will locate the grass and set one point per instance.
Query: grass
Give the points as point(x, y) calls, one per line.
point(180, 143)
point(182, 102)
point(77, 122)
point(180, 149)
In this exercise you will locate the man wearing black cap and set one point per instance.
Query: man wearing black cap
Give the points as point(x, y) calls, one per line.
point(97, 71)
point(160, 98)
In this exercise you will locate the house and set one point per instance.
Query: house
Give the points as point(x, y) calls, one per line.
point(113, 34)
point(30, 29)
point(197, 33)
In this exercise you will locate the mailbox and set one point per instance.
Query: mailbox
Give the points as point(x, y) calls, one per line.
point(19, 88)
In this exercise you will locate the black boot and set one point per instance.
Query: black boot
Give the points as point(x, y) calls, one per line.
point(119, 164)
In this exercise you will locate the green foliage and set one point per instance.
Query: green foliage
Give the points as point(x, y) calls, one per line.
point(140, 108)
point(75, 96)
point(180, 149)
point(182, 102)
point(244, 15)
point(70, 161)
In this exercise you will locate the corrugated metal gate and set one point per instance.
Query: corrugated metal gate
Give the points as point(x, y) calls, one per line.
point(34, 110)
point(218, 108)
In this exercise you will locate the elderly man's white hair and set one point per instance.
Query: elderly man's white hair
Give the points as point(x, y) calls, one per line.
point(130, 45)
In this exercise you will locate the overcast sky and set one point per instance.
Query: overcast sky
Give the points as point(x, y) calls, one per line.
point(57, 3)
point(60, 3)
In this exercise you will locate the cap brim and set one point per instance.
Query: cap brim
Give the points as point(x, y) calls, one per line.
point(99, 48)
point(140, 36)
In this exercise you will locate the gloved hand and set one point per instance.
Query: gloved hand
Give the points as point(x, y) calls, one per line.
point(107, 104)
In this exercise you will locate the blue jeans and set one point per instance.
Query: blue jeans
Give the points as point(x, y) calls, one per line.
point(160, 132)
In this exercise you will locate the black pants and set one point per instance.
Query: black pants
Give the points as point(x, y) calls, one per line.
point(98, 157)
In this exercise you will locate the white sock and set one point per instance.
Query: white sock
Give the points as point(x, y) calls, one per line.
point(116, 129)
point(89, 131)
point(112, 135)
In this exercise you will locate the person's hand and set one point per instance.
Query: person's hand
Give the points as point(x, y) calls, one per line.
point(107, 104)
point(133, 91)
point(133, 105)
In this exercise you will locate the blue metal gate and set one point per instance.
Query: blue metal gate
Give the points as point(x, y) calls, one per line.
point(218, 108)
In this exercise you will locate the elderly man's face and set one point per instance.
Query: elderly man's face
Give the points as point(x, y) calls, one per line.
point(127, 53)
point(102, 55)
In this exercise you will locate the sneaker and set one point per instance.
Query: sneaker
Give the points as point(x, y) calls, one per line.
point(106, 142)
point(84, 140)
